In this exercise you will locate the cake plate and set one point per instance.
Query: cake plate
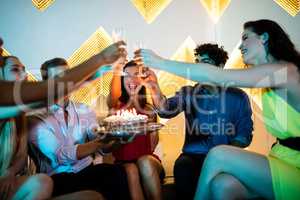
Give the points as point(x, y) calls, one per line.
point(127, 131)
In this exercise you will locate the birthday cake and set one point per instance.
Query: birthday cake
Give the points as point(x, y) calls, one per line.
point(125, 123)
point(125, 118)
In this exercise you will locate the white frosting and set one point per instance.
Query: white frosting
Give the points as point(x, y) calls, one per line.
point(126, 116)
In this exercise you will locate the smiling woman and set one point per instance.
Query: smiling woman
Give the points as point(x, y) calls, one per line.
point(13, 70)
point(13, 142)
point(276, 67)
point(137, 156)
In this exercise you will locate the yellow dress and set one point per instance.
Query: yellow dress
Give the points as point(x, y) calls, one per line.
point(282, 121)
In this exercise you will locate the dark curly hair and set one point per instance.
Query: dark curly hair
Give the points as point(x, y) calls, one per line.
point(279, 44)
point(216, 53)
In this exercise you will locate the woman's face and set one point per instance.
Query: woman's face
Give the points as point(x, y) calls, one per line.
point(132, 81)
point(252, 48)
point(14, 70)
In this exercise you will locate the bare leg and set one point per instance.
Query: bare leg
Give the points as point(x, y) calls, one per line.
point(134, 184)
point(150, 168)
point(35, 187)
point(90, 195)
point(251, 169)
point(225, 186)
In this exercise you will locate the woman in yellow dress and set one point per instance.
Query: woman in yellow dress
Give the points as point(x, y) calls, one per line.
point(232, 173)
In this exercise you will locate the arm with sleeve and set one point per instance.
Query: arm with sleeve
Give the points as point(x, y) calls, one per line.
point(44, 138)
point(174, 105)
point(243, 123)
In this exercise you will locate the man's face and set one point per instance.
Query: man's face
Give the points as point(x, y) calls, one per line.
point(55, 71)
point(14, 70)
point(204, 58)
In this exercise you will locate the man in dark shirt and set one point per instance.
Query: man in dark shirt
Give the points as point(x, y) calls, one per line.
point(213, 116)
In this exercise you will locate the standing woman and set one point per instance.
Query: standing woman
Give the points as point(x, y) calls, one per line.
point(138, 155)
point(275, 62)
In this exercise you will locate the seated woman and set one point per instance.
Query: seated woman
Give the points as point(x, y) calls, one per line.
point(137, 156)
point(13, 154)
point(242, 174)
point(13, 140)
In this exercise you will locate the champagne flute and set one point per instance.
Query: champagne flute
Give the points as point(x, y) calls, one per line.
point(118, 34)
point(142, 69)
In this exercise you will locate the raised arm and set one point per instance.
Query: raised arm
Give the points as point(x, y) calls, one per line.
point(151, 83)
point(115, 85)
point(38, 91)
point(261, 76)
point(165, 107)
point(14, 111)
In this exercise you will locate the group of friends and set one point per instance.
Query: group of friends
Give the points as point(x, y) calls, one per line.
point(61, 135)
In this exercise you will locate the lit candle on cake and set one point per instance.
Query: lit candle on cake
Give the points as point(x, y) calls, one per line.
point(126, 116)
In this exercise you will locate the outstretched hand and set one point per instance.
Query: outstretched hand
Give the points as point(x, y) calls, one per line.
point(113, 52)
point(146, 57)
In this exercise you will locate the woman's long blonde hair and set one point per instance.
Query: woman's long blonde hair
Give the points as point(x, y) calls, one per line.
point(8, 139)
point(13, 140)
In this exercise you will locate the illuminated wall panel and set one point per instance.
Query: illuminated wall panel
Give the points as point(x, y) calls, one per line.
point(5, 52)
point(215, 8)
point(150, 9)
point(93, 45)
point(291, 6)
point(42, 4)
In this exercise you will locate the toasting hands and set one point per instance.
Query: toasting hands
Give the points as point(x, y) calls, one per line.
point(113, 52)
point(146, 57)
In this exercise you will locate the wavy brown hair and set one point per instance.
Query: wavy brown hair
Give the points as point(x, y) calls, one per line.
point(279, 44)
